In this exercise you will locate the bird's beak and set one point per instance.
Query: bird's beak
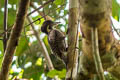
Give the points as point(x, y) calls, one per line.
point(56, 23)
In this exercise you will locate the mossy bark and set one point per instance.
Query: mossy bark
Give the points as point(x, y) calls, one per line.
point(96, 13)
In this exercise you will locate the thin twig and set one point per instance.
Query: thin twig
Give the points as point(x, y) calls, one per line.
point(40, 13)
point(115, 29)
point(43, 16)
point(5, 38)
point(44, 11)
point(45, 52)
point(44, 49)
point(3, 33)
point(40, 7)
point(33, 22)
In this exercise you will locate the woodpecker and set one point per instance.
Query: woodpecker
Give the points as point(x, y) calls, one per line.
point(56, 39)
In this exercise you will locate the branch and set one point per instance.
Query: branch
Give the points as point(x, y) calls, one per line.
point(5, 38)
point(96, 55)
point(44, 49)
point(115, 29)
point(99, 17)
point(33, 22)
point(45, 17)
point(13, 40)
point(45, 53)
point(40, 7)
point(72, 41)
point(3, 33)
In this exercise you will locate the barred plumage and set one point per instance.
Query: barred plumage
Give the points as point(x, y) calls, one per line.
point(56, 39)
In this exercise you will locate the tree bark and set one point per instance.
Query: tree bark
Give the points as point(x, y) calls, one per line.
point(96, 54)
point(72, 40)
point(5, 38)
point(14, 37)
point(96, 14)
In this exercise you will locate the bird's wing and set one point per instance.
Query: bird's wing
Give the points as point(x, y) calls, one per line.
point(60, 37)
point(57, 38)
point(59, 34)
point(51, 36)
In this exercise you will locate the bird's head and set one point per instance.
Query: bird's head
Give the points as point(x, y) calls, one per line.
point(47, 26)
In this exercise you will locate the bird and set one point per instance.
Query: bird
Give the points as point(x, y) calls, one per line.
point(56, 39)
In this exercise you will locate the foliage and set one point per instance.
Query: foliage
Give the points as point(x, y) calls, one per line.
point(60, 74)
point(29, 58)
point(115, 9)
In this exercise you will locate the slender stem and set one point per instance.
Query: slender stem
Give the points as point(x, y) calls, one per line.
point(45, 52)
point(115, 29)
point(44, 49)
point(43, 16)
point(41, 13)
point(96, 55)
point(3, 33)
point(5, 24)
point(40, 7)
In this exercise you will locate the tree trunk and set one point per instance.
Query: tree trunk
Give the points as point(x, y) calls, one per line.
point(72, 40)
point(13, 41)
point(96, 14)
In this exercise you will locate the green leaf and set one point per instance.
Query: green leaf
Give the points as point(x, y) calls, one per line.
point(22, 45)
point(33, 72)
point(1, 52)
point(65, 12)
point(39, 62)
point(1, 58)
point(60, 74)
point(11, 16)
point(1, 20)
point(59, 2)
point(1, 46)
point(13, 1)
point(115, 8)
